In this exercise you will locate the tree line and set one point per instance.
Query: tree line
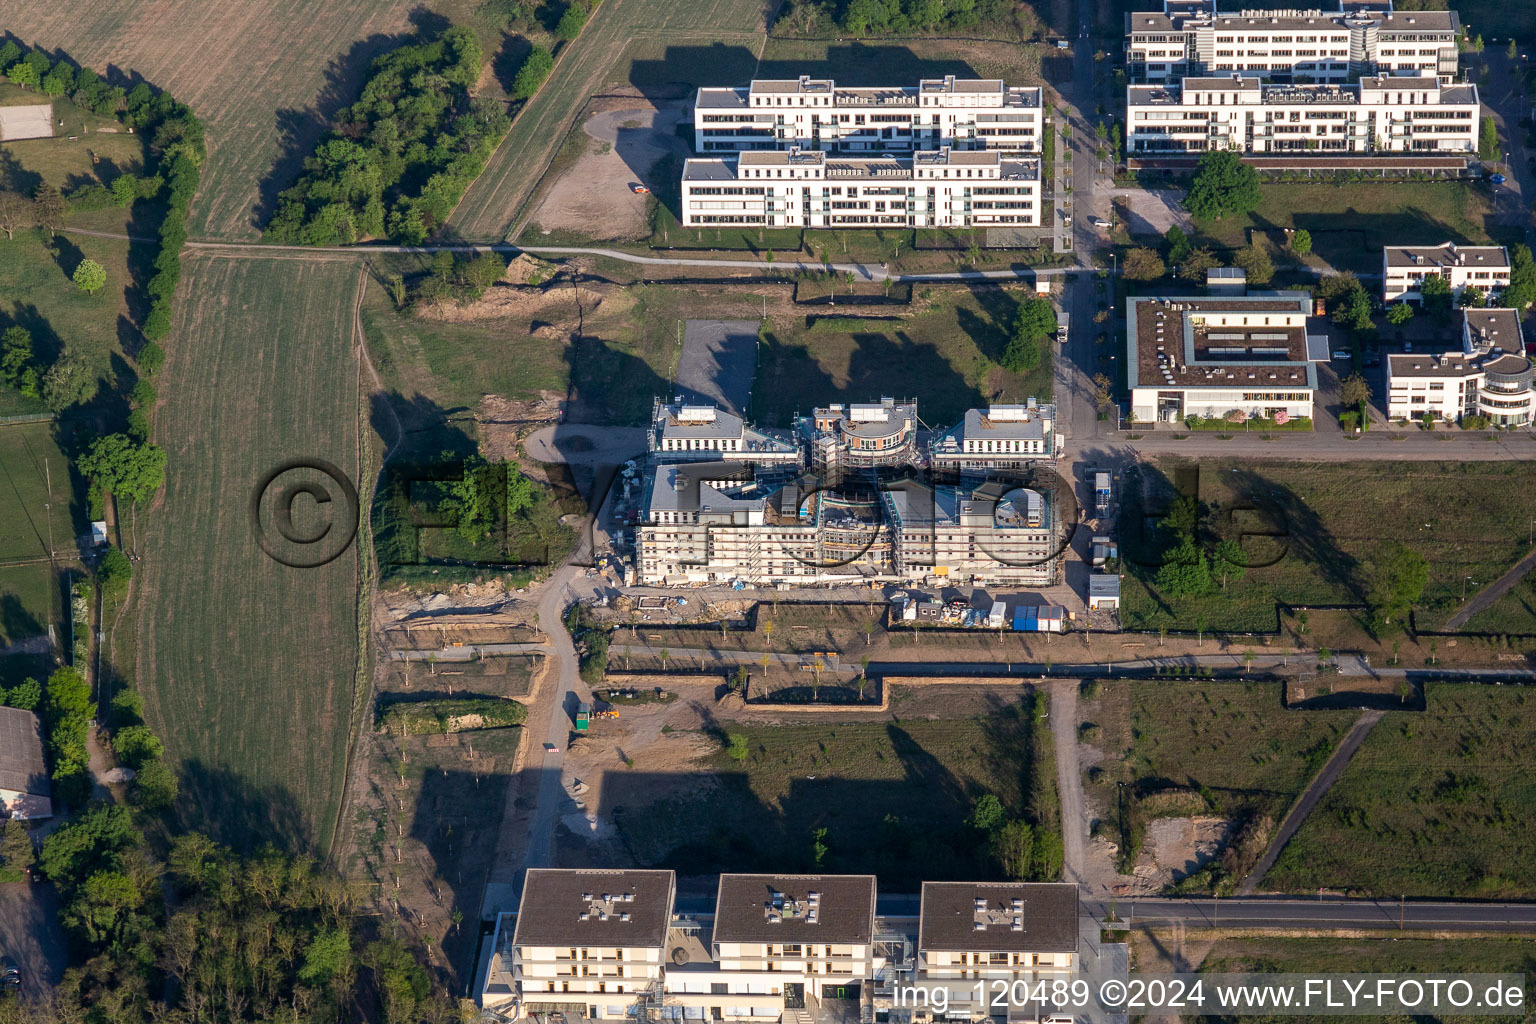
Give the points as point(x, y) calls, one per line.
point(186, 930)
point(889, 17)
point(398, 160)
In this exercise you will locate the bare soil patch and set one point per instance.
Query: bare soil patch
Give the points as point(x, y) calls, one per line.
point(595, 196)
point(515, 301)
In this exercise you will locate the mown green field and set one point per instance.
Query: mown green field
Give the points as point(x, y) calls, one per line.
point(1351, 222)
point(1437, 803)
point(892, 796)
point(944, 356)
point(663, 49)
point(38, 508)
point(37, 293)
point(247, 665)
point(1332, 519)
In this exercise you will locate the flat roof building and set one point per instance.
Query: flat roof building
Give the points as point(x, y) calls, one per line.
point(996, 933)
point(1326, 42)
point(997, 437)
point(1230, 356)
point(685, 432)
point(813, 189)
point(1376, 115)
point(816, 114)
point(587, 942)
point(1488, 374)
point(1404, 268)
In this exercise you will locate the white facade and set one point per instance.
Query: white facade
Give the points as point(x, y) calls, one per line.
point(684, 432)
point(799, 189)
point(1404, 268)
point(1489, 376)
point(998, 437)
point(1330, 44)
point(1216, 356)
point(815, 114)
point(1377, 115)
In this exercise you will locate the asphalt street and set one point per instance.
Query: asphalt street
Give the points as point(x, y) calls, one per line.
point(1331, 912)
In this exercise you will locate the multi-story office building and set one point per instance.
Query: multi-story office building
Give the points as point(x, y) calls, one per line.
point(993, 533)
point(681, 432)
point(587, 943)
point(1404, 268)
point(721, 522)
point(773, 947)
point(997, 437)
point(861, 436)
point(1379, 114)
point(815, 114)
point(1203, 356)
point(1489, 375)
point(1331, 43)
point(995, 934)
point(814, 189)
point(791, 942)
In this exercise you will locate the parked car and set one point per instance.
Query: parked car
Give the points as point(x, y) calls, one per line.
point(1341, 354)
point(639, 189)
point(1099, 222)
point(10, 974)
point(1498, 179)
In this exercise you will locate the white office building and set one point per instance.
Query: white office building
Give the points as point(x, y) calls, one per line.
point(682, 432)
point(1379, 114)
point(813, 189)
point(997, 437)
point(1224, 356)
point(1404, 268)
point(1332, 42)
point(1489, 375)
point(816, 114)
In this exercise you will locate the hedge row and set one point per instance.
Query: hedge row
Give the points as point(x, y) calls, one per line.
point(450, 714)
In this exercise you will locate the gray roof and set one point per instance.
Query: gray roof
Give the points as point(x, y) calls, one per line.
point(709, 169)
point(1447, 254)
point(690, 487)
point(1046, 914)
point(622, 908)
point(21, 753)
point(1502, 325)
point(773, 908)
point(1103, 585)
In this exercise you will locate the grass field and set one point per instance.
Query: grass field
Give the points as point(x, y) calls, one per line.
point(86, 147)
point(1351, 222)
point(1174, 749)
point(262, 76)
point(893, 797)
point(37, 293)
point(38, 506)
point(945, 357)
point(1433, 804)
point(249, 665)
point(1333, 517)
point(657, 47)
point(1394, 955)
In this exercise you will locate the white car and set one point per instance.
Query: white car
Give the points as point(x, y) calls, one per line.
point(1099, 222)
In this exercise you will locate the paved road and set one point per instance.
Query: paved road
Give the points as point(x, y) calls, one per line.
point(1334, 912)
point(1401, 446)
point(1491, 593)
point(1304, 804)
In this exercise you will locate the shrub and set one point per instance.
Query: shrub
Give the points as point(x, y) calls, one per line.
point(536, 67)
point(572, 21)
point(450, 714)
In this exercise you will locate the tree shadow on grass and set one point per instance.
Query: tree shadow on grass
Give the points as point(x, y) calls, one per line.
point(242, 814)
point(300, 130)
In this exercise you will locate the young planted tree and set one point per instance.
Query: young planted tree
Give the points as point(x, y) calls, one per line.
point(1399, 313)
point(90, 277)
point(1488, 140)
point(1301, 242)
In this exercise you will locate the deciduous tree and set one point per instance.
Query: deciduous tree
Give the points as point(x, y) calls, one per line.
point(1301, 242)
point(1256, 264)
point(1222, 185)
point(90, 277)
point(1143, 264)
